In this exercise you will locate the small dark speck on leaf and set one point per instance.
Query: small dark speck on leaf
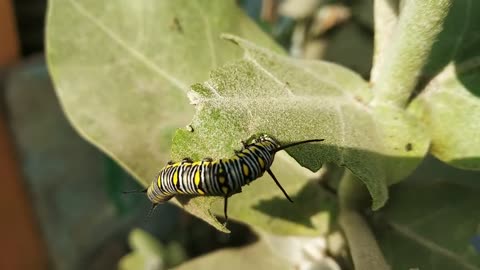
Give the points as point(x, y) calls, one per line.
point(190, 128)
point(233, 41)
point(175, 25)
point(409, 147)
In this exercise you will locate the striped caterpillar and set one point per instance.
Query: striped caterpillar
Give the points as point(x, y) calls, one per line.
point(223, 177)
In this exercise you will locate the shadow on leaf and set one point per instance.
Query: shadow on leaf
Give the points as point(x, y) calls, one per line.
point(308, 202)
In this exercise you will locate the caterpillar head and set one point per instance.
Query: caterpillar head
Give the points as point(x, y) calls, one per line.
point(267, 141)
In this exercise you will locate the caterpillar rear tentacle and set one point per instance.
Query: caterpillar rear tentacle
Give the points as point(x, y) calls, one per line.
point(223, 177)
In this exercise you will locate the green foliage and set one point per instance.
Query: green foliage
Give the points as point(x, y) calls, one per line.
point(242, 258)
point(125, 74)
point(432, 219)
point(269, 252)
point(232, 105)
point(122, 69)
point(148, 253)
point(450, 104)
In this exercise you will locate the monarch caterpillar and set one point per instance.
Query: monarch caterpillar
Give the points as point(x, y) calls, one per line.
point(223, 177)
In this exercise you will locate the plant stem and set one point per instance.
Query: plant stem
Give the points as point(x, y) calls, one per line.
point(386, 12)
point(366, 254)
point(418, 26)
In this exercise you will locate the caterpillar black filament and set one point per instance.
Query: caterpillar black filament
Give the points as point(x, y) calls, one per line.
point(223, 177)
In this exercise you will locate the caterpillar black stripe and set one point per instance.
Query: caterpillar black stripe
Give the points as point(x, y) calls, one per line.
point(223, 177)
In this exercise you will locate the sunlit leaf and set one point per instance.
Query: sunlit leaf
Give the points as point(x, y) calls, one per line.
point(122, 69)
point(450, 104)
point(294, 100)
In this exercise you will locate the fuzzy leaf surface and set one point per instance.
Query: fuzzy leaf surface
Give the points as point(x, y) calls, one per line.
point(450, 104)
point(122, 69)
point(293, 100)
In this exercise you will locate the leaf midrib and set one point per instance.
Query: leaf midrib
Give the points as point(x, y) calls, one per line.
point(311, 99)
point(177, 83)
point(430, 245)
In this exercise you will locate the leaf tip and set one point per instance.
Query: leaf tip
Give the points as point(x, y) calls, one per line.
point(378, 203)
point(216, 223)
point(194, 97)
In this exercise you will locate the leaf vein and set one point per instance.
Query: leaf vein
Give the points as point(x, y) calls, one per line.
point(434, 247)
point(208, 33)
point(269, 74)
point(132, 51)
point(214, 91)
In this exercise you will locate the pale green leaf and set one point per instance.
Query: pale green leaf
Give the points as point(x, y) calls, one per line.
point(450, 104)
point(134, 260)
point(255, 256)
point(269, 252)
point(149, 253)
point(452, 114)
point(431, 220)
point(122, 69)
point(294, 100)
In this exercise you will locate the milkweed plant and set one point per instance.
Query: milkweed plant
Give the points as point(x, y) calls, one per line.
point(392, 186)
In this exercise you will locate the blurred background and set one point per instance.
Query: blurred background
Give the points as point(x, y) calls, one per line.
point(53, 180)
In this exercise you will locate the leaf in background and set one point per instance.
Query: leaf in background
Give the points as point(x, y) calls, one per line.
point(269, 252)
point(450, 104)
point(146, 251)
point(451, 112)
point(255, 256)
point(149, 253)
point(459, 34)
point(294, 100)
point(122, 69)
point(431, 220)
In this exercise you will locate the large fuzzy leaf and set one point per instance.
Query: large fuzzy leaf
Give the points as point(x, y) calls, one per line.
point(294, 100)
point(269, 252)
point(450, 105)
point(122, 69)
point(255, 256)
